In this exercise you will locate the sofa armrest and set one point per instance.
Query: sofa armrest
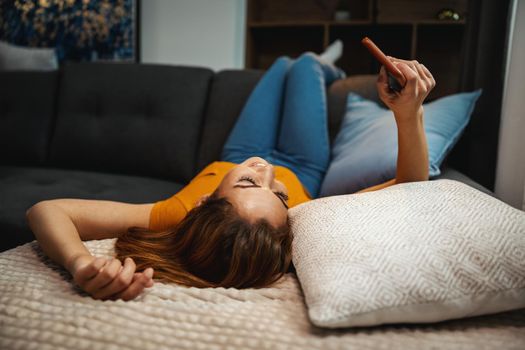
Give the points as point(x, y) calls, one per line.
point(453, 174)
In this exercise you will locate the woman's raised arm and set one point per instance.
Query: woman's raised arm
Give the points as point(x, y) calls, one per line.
point(60, 225)
point(407, 105)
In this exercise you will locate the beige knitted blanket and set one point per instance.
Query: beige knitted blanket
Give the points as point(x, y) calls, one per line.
point(41, 309)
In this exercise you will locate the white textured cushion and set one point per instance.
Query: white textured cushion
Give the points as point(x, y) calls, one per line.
point(415, 252)
point(14, 57)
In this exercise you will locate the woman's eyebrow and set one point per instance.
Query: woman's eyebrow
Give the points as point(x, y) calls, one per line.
point(257, 186)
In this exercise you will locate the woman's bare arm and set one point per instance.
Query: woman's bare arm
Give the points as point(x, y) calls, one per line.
point(412, 158)
point(60, 225)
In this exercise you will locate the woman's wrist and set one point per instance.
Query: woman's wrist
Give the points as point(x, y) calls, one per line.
point(78, 260)
point(409, 118)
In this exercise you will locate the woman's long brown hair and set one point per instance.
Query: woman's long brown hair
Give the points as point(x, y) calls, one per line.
point(211, 247)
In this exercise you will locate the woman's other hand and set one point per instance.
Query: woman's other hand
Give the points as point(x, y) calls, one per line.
point(408, 102)
point(108, 279)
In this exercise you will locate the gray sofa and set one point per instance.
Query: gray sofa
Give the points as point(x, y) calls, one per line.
point(126, 132)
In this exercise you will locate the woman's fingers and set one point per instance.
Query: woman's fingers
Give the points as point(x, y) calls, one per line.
point(88, 271)
point(395, 59)
point(119, 283)
point(104, 276)
point(140, 281)
point(429, 75)
point(422, 71)
point(382, 83)
point(419, 82)
point(382, 79)
point(410, 73)
point(413, 64)
point(428, 85)
point(108, 279)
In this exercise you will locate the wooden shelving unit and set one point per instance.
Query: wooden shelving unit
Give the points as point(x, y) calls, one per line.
point(406, 29)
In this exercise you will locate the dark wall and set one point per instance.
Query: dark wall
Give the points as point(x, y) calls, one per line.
point(485, 52)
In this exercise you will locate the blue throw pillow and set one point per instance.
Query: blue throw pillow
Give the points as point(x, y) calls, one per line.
point(365, 150)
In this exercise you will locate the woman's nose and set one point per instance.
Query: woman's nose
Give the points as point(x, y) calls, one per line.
point(266, 174)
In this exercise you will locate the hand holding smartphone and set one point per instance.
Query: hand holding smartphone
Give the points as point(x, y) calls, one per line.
point(396, 79)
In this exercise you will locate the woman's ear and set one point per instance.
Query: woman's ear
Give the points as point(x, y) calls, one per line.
point(202, 199)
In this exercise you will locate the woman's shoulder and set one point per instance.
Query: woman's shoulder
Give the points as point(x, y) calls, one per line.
point(296, 191)
point(285, 175)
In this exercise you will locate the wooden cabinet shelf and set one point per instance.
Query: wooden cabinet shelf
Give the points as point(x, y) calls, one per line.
point(307, 23)
point(407, 29)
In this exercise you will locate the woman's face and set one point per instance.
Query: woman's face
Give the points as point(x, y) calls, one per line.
point(252, 189)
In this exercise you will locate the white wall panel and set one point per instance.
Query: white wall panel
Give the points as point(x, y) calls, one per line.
point(510, 171)
point(206, 33)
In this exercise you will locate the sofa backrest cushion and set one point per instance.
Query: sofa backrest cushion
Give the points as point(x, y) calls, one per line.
point(228, 94)
point(131, 118)
point(27, 107)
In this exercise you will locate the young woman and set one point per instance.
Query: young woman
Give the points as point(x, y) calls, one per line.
point(229, 226)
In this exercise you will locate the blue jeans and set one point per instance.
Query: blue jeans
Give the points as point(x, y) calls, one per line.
point(285, 119)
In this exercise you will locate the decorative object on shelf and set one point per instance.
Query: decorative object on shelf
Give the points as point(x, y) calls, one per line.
point(342, 12)
point(326, 7)
point(341, 15)
point(448, 15)
point(79, 30)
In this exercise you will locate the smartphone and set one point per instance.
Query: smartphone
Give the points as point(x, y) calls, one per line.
point(396, 79)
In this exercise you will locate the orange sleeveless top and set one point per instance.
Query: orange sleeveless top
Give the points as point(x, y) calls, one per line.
point(170, 212)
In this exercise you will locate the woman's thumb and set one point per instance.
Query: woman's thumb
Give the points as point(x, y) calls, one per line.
point(382, 77)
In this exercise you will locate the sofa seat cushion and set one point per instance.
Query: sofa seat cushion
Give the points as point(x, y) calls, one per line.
point(21, 187)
